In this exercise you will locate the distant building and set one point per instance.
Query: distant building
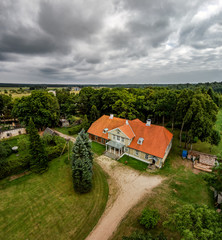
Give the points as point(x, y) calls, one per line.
point(76, 88)
point(12, 133)
point(144, 141)
point(53, 92)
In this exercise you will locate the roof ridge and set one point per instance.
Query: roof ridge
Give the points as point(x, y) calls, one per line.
point(132, 129)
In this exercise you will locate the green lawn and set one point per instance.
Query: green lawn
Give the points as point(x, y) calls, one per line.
point(64, 130)
point(46, 206)
point(97, 148)
point(134, 163)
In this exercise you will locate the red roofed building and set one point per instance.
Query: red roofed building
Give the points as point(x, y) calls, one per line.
point(143, 141)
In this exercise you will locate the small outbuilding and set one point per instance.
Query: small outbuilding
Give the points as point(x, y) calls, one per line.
point(49, 131)
point(64, 122)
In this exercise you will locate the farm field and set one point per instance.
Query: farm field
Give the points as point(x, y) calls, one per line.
point(183, 185)
point(46, 206)
point(15, 92)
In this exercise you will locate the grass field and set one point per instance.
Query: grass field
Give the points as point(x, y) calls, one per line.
point(46, 206)
point(134, 163)
point(181, 186)
point(64, 130)
point(15, 92)
point(97, 148)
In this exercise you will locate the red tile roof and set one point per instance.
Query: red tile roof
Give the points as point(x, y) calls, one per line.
point(105, 122)
point(156, 138)
point(127, 130)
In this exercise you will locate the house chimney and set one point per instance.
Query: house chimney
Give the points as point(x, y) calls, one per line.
point(127, 123)
point(111, 116)
point(148, 122)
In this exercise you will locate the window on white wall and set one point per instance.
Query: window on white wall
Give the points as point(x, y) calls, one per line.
point(114, 137)
point(137, 152)
point(118, 138)
point(122, 139)
point(146, 156)
point(127, 149)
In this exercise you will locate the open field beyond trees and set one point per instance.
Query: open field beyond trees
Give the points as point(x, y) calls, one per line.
point(46, 206)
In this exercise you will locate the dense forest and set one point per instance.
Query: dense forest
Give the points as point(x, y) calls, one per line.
point(193, 111)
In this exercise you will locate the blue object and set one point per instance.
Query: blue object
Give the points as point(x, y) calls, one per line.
point(184, 154)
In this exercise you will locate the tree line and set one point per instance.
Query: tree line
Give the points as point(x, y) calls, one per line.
point(193, 111)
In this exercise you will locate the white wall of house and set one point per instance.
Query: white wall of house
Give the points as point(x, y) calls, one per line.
point(12, 133)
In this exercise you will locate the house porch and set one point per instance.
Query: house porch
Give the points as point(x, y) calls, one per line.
point(115, 148)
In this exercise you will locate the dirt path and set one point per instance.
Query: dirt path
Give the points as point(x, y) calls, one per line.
point(129, 186)
point(66, 137)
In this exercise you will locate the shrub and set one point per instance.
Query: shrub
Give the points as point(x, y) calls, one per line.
point(74, 130)
point(196, 222)
point(144, 236)
point(77, 128)
point(54, 146)
point(5, 150)
point(8, 167)
point(23, 143)
point(149, 218)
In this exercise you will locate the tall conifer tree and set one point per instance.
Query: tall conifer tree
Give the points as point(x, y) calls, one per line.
point(38, 162)
point(82, 160)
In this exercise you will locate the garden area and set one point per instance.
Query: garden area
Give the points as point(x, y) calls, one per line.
point(15, 162)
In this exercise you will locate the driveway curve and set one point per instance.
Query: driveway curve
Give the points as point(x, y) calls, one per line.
point(131, 187)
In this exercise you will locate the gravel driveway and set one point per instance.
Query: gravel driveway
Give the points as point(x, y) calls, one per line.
point(127, 187)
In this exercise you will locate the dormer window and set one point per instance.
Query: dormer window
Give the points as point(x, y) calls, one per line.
point(105, 130)
point(140, 141)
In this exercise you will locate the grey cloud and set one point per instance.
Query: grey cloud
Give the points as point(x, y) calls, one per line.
point(110, 41)
point(66, 21)
point(198, 36)
point(93, 60)
point(49, 70)
point(26, 44)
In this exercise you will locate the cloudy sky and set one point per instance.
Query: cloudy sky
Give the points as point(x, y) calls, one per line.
point(111, 41)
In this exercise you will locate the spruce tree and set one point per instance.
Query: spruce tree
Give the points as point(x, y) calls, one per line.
point(82, 164)
point(87, 144)
point(38, 162)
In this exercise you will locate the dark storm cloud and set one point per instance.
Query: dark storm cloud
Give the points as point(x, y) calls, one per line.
point(26, 43)
point(3, 57)
point(67, 21)
point(48, 70)
point(93, 60)
point(126, 40)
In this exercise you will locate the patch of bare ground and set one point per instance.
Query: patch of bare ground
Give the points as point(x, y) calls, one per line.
point(188, 164)
point(127, 188)
point(13, 177)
